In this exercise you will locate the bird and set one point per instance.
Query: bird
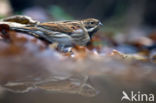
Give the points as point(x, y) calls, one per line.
point(65, 33)
point(78, 32)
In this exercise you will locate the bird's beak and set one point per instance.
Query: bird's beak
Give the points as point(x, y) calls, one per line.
point(100, 24)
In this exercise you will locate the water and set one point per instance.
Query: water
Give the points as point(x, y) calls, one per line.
point(93, 80)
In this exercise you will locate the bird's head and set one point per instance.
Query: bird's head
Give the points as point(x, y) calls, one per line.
point(92, 25)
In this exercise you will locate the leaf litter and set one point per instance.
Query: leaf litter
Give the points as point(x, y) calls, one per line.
point(28, 63)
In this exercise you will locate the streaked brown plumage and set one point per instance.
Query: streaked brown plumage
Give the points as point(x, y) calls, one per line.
point(66, 33)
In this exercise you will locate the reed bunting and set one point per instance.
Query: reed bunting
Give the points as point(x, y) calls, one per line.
point(65, 33)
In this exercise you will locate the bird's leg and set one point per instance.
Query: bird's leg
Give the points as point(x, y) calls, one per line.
point(64, 48)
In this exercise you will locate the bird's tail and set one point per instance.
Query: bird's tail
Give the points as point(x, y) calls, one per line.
point(33, 31)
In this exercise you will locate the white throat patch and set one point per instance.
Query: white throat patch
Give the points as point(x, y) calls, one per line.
point(91, 29)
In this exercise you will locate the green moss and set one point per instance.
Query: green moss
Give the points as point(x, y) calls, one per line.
point(58, 13)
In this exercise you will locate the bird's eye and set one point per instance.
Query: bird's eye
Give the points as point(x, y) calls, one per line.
point(91, 22)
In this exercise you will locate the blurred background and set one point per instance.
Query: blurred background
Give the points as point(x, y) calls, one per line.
point(129, 26)
point(113, 12)
point(130, 17)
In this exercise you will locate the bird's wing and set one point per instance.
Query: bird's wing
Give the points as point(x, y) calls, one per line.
point(57, 27)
